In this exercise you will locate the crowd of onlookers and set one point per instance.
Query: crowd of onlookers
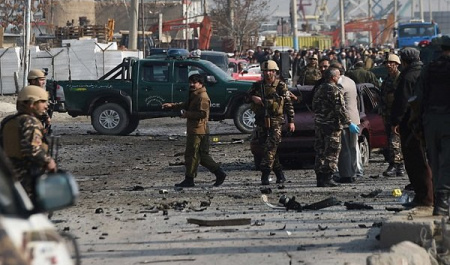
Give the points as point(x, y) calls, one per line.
point(299, 60)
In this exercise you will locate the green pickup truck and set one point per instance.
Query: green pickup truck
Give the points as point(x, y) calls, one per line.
point(136, 89)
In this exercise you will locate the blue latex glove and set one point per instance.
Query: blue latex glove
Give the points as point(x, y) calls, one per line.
point(353, 128)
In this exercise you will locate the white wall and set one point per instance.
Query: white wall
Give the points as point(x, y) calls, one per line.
point(82, 59)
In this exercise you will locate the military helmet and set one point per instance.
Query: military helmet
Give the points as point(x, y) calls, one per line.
point(36, 73)
point(269, 65)
point(32, 93)
point(393, 58)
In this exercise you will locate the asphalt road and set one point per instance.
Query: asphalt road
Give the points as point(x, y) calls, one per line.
point(129, 212)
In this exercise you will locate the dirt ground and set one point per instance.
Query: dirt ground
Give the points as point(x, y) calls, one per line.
point(129, 213)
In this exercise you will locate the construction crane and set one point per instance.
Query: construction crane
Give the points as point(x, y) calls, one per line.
point(205, 26)
point(381, 30)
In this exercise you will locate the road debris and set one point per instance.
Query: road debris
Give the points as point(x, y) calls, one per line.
point(220, 222)
point(372, 194)
point(357, 206)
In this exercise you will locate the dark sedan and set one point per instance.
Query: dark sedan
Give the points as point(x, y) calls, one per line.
point(298, 148)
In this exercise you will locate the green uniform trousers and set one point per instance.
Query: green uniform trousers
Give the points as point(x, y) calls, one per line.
point(197, 152)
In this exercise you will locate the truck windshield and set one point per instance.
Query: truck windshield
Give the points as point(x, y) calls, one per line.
point(219, 72)
point(416, 30)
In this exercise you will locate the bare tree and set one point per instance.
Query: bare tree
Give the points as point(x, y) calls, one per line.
point(239, 20)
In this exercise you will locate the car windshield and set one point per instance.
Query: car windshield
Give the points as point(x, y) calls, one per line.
point(219, 72)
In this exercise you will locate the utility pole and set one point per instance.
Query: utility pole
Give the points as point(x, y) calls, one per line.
point(132, 41)
point(369, 14)
point(26, 46)
point(186, 29)
point(341, 12)
point(421, 10)
point(431, 12)
point(294, 23)
point(395, 14)
point(231, 18)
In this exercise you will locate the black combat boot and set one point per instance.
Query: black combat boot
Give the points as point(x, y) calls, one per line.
point(280, 176)
point(326, 180)
point(265, 177)
point(186, 183)
point(391, 171)
point(220, 177)
point(441, 203)
point(400, 169)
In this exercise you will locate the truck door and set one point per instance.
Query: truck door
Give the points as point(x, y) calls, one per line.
point(216, 91)
point(155, 87)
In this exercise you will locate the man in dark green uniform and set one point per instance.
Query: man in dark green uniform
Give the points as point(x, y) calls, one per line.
point(196, 111)
point(390, 83)
point(270, 100)
point(23, 138)
point(434, 94)
point(361, 75)
point(310, 73)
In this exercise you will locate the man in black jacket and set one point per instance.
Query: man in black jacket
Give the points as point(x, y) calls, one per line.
point(416, 165)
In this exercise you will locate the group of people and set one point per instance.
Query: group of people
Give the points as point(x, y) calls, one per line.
point(414, 106)
point(24, 134)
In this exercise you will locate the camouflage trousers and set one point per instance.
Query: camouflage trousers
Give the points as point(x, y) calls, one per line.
point(269, 138)
point(197, 153)
point(327, 146)
point(394, 147)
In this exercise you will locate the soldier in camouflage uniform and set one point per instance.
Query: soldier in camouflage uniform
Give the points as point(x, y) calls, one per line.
point(433, 92)
point(330, 117)
point(196, 111)
point(37, 77)
point(270, 100)
point(390, 83)
point(23, 139)
point(311, 73)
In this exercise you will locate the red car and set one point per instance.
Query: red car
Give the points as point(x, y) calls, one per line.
point(251, 72)
point(298, 147)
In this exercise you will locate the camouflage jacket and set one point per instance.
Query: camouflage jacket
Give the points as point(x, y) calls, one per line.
point(329, 107)
point(24, 143)
point(309, 75)
point(387, 95)
point(277, 101)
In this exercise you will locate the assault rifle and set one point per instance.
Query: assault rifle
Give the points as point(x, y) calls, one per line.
point(265, 106)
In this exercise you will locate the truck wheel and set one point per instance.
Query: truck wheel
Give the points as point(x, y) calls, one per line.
point(110, 119)
point(244, 119)
point(132, 125)
point(364, 149)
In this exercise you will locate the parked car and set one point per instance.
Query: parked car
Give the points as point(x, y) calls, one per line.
point(298, 147)
point(27, 236)
point(251, 72)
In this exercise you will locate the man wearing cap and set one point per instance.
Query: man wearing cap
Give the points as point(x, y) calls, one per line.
point(270, 101)
point(390, 83)
point(37, 77)
point(416, 165)
point(196, 112)
point(433, 92)
point(311, 73)
point(23, 139)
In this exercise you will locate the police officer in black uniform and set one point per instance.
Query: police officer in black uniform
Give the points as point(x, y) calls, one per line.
point(434, 93)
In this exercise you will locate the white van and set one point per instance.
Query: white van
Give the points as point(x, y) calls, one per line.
point(26, 234)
